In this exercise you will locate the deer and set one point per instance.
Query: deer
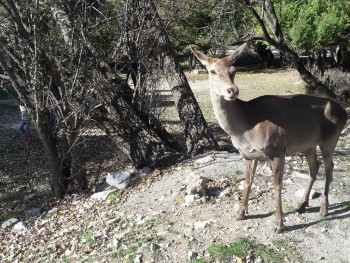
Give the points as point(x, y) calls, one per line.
point(269, 127)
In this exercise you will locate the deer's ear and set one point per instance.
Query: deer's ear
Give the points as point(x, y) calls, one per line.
point(204, 59)
point(233, 57)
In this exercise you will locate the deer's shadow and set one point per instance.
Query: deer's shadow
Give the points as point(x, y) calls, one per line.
point(335, 212)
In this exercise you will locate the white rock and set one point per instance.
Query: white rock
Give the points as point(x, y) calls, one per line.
point(141, 219)
point(119, 180)
point(204, 160)
point(196, 184)
point(9, 222)
point(241, 185)
point(116, 243)
point(68, 252)
point(20, 226)
point(201, 224)
point(101, 196)
point(289, 181)
point(101, 234)
point(190, 199)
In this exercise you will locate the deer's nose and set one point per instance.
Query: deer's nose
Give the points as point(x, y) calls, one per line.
point(232, 92)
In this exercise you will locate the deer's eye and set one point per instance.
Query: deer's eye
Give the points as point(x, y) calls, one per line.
point(213, 72)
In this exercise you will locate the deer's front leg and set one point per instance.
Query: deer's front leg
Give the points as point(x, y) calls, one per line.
point(278, 170)
point(249, 176)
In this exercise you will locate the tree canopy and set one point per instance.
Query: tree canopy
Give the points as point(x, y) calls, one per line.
point(316, 24)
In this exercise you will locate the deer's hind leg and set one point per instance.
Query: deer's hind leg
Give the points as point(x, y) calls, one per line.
point(327, 154)
point(313, 164)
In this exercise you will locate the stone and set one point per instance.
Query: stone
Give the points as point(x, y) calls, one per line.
point(323, 230)
point(289, 181)
point(205, 160)
point(116, 243)
point(141, 219)
point(196, 184)
point(190, 199)
point(119, 180)
point(32, 211)
point(9, 222)
point(101, 196)
point(20, 227)
point(241, 185)
point(201, 224)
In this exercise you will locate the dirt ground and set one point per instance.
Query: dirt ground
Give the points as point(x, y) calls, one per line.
point(154, 221)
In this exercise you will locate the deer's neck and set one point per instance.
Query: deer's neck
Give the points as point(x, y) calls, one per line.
point(230, 114)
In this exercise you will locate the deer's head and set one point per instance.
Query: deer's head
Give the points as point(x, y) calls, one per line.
point(222, 73)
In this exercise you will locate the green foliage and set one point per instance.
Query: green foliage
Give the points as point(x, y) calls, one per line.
point(316, 24)
point(115, 197)
point(86, 236)
point(238, 248)
point(243, 247)
point(206, 24)
point(199, 261)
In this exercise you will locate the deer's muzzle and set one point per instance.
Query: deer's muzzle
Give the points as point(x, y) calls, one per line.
point(231, 94)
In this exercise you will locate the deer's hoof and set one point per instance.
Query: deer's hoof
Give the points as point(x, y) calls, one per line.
point(301, 210)
point(323, 212)
point(302, 207)
point(279, 230)
point(239, 217)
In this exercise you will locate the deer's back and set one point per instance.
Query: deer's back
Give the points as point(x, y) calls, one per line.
point(301, 120)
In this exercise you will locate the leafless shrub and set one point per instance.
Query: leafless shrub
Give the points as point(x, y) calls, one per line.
point(339, 82)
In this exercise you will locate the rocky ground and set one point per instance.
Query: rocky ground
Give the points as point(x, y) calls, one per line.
point(185, 213)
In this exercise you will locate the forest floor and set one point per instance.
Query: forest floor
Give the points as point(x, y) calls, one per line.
point(155, 220)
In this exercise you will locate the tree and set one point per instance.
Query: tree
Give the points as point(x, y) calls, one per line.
point(150, 48)
point(47, 51)
point(61, 54)
point(206, 24)
point(273, 34)
point(318, 26)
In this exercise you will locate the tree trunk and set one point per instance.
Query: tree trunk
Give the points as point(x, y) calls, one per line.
point(270, 16)
point(140, 135)
point(197, 134)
